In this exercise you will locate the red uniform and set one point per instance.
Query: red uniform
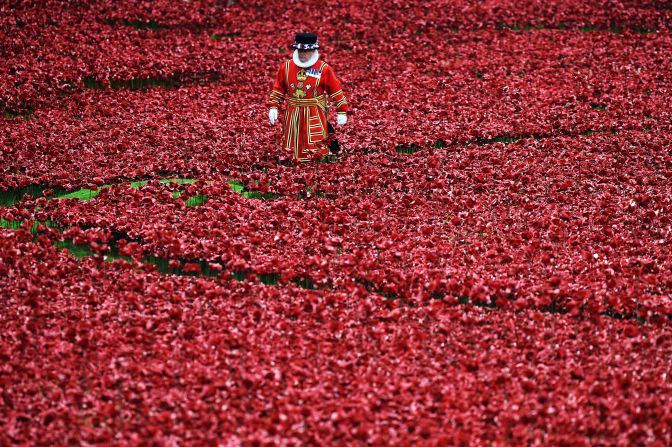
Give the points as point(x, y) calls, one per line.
point(307, 91)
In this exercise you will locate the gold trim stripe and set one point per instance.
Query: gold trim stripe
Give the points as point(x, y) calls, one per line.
point(322, 65)
point(287, 75)
point(306, 101)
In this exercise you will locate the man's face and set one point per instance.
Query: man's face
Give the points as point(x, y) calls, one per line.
point(305, 55)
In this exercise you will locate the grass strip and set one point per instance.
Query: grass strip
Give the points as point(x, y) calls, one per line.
point(508, 139)
point(13, 196)
point(204, 269)
point(17, 224)
point(27, 115)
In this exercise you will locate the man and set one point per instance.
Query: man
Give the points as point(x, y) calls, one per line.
point(307, 82)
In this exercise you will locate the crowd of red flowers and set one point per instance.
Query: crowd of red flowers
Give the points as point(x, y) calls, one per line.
point(486, 262)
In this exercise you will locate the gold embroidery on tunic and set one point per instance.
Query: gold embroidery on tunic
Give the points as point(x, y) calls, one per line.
point(301, 75)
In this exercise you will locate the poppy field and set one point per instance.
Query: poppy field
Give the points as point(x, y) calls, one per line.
point(487, 261)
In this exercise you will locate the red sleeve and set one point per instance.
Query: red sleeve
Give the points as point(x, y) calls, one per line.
point(277, 96)
point(333, 88)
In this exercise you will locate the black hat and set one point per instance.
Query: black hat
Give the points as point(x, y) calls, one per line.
point(306, 41)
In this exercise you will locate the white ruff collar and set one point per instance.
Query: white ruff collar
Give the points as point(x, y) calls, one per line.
point(309, 63)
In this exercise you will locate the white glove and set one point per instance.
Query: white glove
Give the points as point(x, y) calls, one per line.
point(341, 119)
point(273, 115)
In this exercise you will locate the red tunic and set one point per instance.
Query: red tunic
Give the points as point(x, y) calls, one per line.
point(307, 90)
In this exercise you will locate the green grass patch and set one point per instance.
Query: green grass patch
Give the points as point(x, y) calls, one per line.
point(163, 267)
point(179, 181)
point(269, 278)
point(12, 196)
point(84, 194)
point(11, 224)
point(139, 183)
point(78, 251)
point(27, 115)
point(643, 30)
point(82, 251)
point(501, 139)
point(131, 84)
point(46, 223)
point(588, 29)
point(93, 83)
point(238, 275)
point(411, 149)
point(236, 185)
point(136, 24)
point(517, 27)
point(16, 224)
point(260, 195)
point(217, 36)
point(197, 200)
point(304, 283)
point(328, 159)
point(142, 83)
point(162, 264)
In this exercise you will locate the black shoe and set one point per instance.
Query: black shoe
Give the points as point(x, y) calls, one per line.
point(332, 142)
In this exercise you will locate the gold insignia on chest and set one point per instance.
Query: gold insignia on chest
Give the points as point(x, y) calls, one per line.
point(299, 94)
point(301, 75)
